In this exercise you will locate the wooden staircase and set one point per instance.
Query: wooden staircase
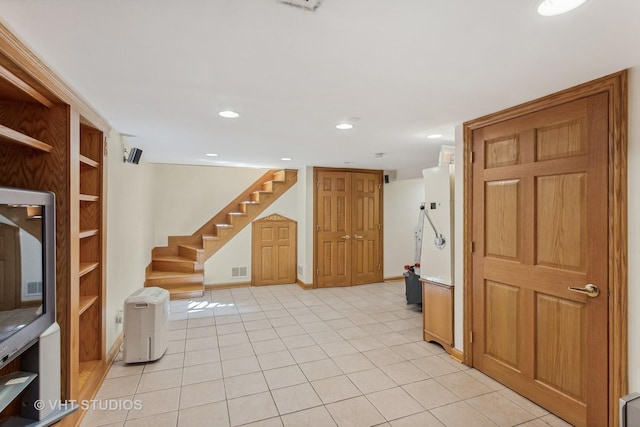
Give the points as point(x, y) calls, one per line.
point(179, 267)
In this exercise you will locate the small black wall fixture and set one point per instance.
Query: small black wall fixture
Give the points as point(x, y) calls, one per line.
point(132, 155)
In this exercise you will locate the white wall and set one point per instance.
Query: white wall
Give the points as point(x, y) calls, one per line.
point(129, 231)
point(186, 197)
point(634, 229)
point(402, 201)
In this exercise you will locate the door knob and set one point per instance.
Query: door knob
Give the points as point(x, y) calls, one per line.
point(357, 236)
point(346, 237)
point(589, 290)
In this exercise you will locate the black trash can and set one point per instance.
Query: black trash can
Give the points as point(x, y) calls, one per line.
point(413, 286)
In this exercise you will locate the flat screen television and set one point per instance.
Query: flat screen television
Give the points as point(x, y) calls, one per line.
point(27, 269)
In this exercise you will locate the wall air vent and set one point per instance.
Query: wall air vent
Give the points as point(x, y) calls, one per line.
point(307, 4)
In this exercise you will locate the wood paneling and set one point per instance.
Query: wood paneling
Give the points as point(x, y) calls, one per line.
point(502, 152)
point(502, 314)
point(561, 140)
point(503, 219)
point(561, 221)
point(561, 345)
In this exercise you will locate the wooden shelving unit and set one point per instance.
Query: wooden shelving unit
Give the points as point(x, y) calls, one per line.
point(52, 140)
point(91, 296)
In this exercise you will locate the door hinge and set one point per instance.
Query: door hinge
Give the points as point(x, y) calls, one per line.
point(379, 227)
point(379, 186)
point(471, 337)
point(472, 247)
point(379, 266)
point(472, 157)
point(318, 183)
point(318, 227)
point(318, 272)
point(105, 147)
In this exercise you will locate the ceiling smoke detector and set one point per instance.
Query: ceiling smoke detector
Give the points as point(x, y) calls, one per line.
point(307, 4)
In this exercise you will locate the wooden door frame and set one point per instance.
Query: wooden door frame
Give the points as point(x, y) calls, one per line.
point(317, 169)
point(615, 85)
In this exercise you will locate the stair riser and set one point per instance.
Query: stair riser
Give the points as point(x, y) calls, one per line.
point(174, 282)
point(186, 295)
point(183, 267)
point(192, 254)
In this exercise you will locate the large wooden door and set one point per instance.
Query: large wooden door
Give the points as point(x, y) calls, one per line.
point(348, 248)
point(366, 226)
point(540, 191)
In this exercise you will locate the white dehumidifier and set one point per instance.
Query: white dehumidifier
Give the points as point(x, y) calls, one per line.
point(146, 314)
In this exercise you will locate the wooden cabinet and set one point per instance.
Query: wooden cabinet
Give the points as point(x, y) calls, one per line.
point(51, 140)
point(437, 312)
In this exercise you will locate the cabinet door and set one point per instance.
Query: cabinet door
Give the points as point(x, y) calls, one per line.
point(437, 309)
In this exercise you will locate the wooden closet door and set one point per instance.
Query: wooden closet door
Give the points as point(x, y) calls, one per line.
point(366, 228)
point(333, 228)
point(348, 227)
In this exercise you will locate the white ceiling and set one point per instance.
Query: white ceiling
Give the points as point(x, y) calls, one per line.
point(162, 69)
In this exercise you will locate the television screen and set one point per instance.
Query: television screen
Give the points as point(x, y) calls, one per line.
point(27, 268)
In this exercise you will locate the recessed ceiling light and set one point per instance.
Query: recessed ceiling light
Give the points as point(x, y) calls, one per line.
point(344, 126)
point(211, 155)
point(557, 7)
point(228, 114)
point(434, 136)
point(286, 159)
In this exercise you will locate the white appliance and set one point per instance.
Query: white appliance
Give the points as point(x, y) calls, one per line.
point(436, 260)
point(146, 314)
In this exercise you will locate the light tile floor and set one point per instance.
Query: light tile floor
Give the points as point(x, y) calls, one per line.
point(283, 356)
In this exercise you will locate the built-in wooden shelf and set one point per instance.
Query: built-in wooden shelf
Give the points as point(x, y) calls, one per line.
point(85, 371)
point(87, 233)
point(16, 137)
point(88, 198)
point(86, 302)
point(87, 267)
point(24, 87)
point(85, 161)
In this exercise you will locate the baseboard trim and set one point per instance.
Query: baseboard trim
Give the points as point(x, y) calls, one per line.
point(303, 285)
point(457, 354)
point(393, 279)
point(211, 287)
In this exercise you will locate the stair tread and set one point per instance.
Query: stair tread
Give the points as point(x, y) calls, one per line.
point(177, 258)
point(237, 213)
point(171, 274)
point(196, 247)
point(210, 237)
point(225, 225)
